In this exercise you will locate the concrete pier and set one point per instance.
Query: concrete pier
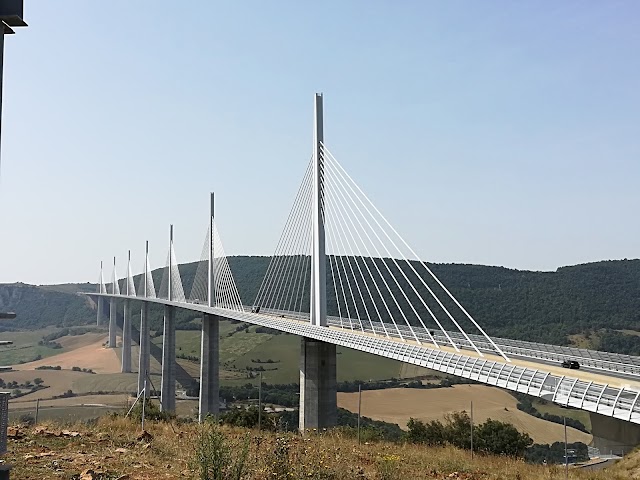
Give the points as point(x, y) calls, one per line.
point(209, 367)
point(318, 402)
point(113, 305)
point(143, 358)
point(613, 436)
point(168, 389)
point(126, 338)
point(100, 308)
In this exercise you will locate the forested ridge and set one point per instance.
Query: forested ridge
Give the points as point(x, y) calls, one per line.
point(595, 300)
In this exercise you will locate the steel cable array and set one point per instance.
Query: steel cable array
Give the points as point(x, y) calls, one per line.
point(225, 291)
point(375, 281)
point(177, 291)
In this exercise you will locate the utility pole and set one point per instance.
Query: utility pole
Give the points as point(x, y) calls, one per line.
point(359, 409)
point(566, 456)
point(472, 430)
point(260, 403)
point(11, 13)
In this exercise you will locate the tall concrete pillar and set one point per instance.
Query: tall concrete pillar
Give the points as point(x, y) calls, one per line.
point(168, 392)
point(143, 357)
point(318, 398)
point(126, 338)
point(318, 403)
point(611, 435)
point(112, 322)
point(210, 367)
point(100, 308)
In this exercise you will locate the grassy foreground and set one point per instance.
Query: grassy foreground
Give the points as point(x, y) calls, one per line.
point(114, 448)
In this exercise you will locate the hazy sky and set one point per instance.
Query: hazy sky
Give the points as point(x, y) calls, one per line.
point(498, 132)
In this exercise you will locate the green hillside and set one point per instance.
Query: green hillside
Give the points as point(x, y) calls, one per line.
point(596, 301)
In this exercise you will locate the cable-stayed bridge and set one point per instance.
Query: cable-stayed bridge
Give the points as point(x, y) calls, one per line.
point(342, 275)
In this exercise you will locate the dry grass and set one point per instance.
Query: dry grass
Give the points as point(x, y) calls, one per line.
point(112, 447)
point(94, 356)
point(397, 405)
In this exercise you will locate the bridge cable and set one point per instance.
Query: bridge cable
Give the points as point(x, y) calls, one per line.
point(434, 317)
point(355, 257)
point(291, 245)
point(267, 296)
point(341, 170)
point(273, 263)
point(377, 252)
point(343, 200)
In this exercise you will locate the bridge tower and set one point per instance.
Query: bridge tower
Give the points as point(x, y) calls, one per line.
point(143, 356)
point(115, 290)
point(100, 301)
point(168, 389)
point(318, 403)
point(210, 340)
point(126, 325)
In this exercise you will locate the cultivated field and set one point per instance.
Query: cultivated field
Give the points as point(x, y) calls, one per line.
point(93, 355)
point(399, 404)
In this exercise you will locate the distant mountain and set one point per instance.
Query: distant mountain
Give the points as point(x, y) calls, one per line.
point(595, 300)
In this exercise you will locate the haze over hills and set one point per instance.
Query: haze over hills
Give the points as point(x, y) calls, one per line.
point(591, 304)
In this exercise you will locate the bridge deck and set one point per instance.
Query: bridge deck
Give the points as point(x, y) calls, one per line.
point(592, 391)
point(581, 374)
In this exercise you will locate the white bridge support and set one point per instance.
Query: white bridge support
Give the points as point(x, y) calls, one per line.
point(113, 307)
point(113, 312)
point(144, 352)
point(210, 340)
point(168, 389)
point(100, 307)
point(143, 357)
point(318, 403)
point(126, 338)
point(100, 301)
point(126, 324)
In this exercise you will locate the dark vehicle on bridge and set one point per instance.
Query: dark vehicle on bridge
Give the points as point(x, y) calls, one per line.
point(570, 364)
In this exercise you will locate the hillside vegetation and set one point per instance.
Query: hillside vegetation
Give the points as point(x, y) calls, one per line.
point(595, 301)
point(114, 448)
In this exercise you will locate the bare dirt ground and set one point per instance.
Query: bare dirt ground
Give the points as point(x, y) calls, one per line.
point(397, 405)
point(94, 356)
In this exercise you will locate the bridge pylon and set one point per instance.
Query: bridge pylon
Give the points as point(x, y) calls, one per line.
point(100, 300)
point(318, 388)
point(144, 351)
point(113, 305)
point(126, 325)
point(209, 402)
point(168, 388)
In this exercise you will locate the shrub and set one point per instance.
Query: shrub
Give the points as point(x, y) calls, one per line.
point(151, 412)
point(218, 459)
point(27, 419)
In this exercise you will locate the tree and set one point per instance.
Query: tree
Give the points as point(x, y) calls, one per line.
point(431, 433)
point(501, 438)
point(38, 381)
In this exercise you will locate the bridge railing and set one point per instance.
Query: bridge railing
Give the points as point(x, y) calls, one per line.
point(612, 401)
point(605, 361)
